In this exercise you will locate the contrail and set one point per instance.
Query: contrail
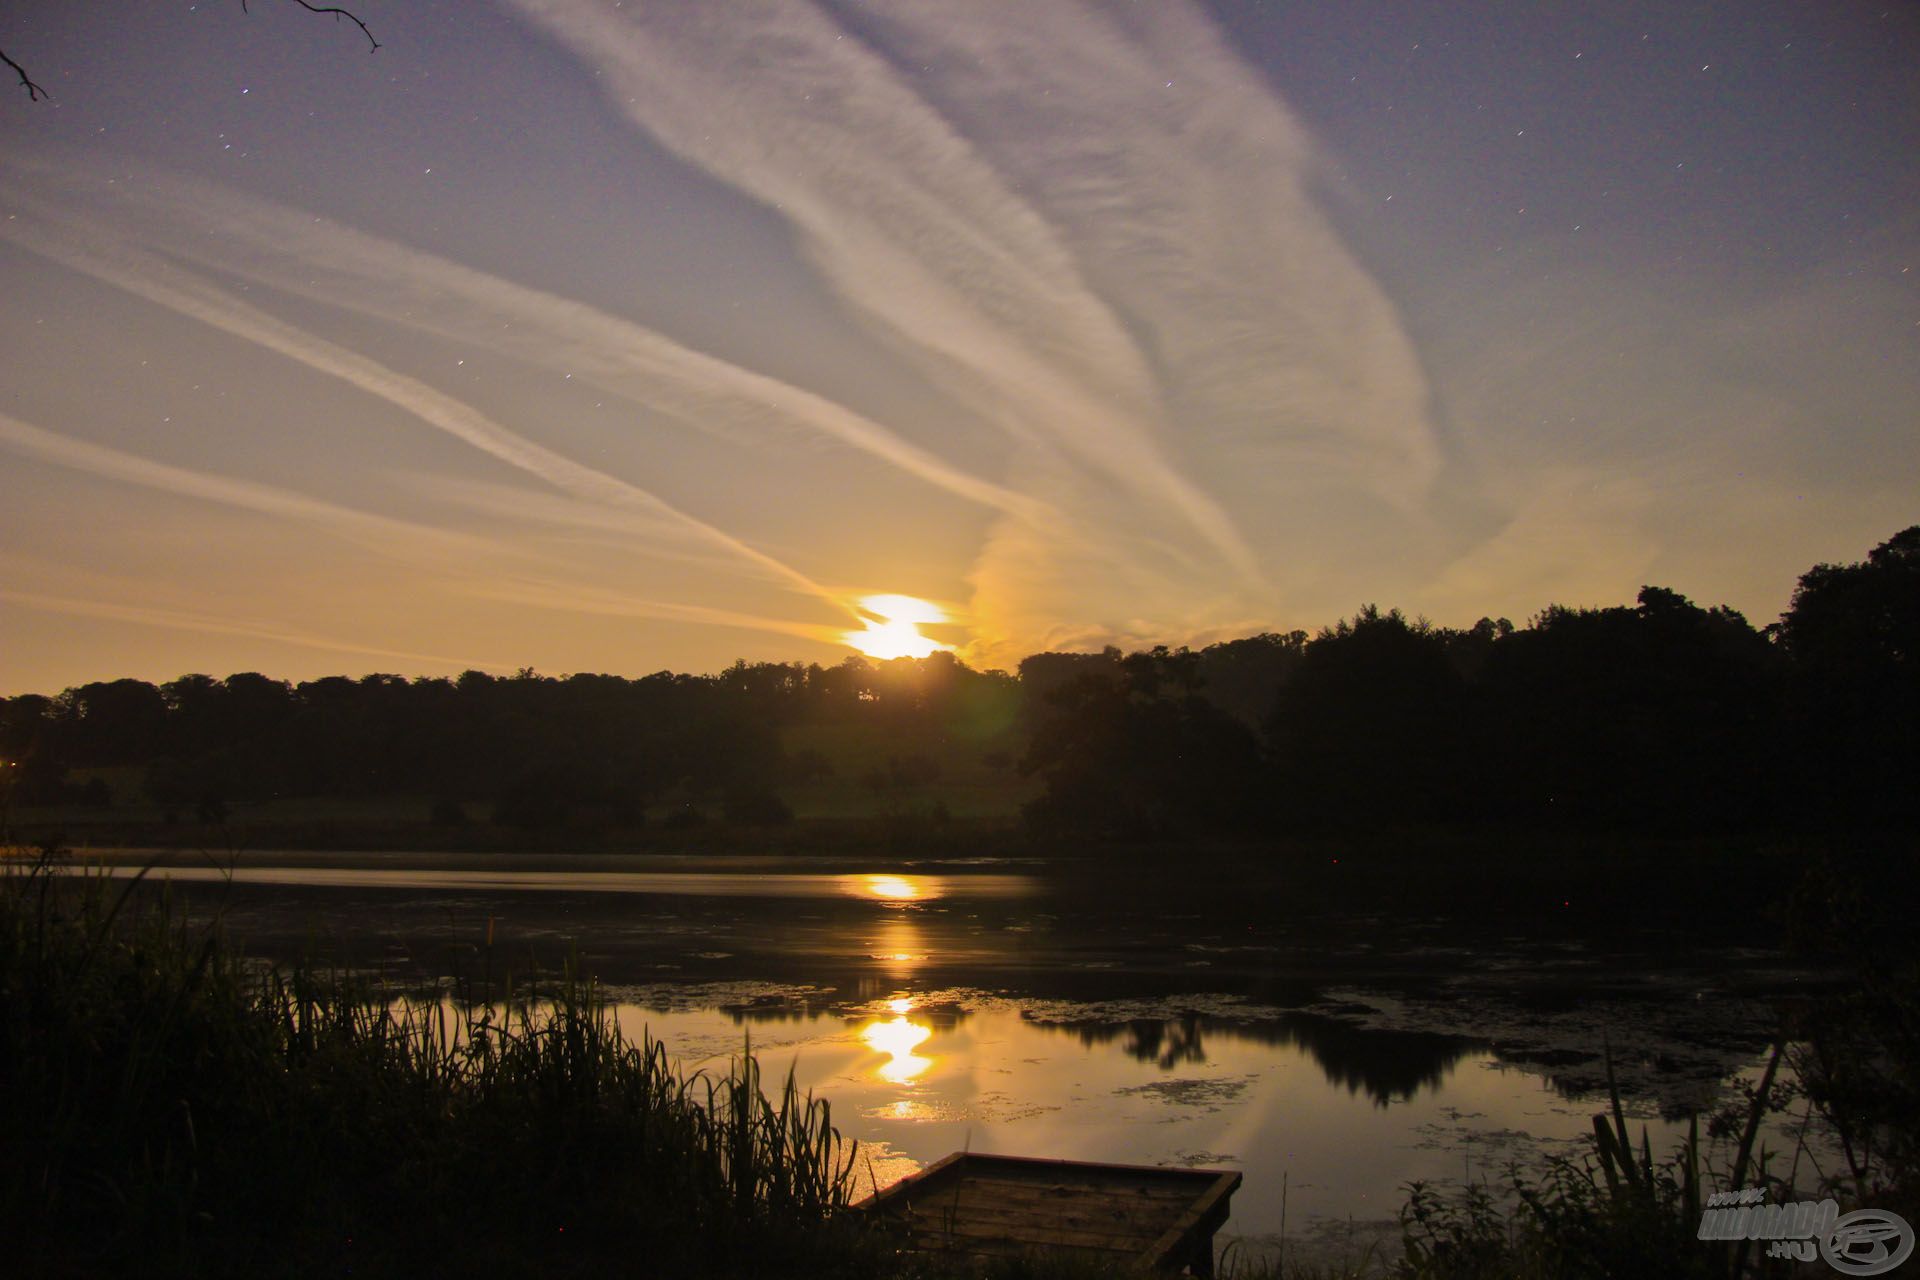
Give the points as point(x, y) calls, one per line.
point(903, 217)
point(1092, 228)
point(572, 597)
point(1092, 225)
point(181, 620)
point(395, 537)
point(149, 278)
point(1179, 182)
point(314, 258)
point(399, 538)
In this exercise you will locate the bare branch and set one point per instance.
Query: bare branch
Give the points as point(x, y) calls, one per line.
point(34, 91)
point(338, 13)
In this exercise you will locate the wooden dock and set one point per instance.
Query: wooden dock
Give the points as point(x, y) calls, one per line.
point(1145, 1217)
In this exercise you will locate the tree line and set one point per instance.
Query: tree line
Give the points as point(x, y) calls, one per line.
point(528, 746)
point(1658, 716)
point(1662, 716)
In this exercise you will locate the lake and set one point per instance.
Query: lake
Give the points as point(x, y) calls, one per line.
point(1073, 1009)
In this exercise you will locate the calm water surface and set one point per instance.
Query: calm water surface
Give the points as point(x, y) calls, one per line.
point(1081, 1013)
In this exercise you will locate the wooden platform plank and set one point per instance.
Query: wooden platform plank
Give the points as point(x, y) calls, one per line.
point(1014, 1211)
point(1130, 1242)
point(984, 1205)
point(1008, 1186)
point(1015, 1249)
point(1026, 1173)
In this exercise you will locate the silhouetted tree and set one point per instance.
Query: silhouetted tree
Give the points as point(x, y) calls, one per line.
point(1374, 724)
point(1041, 674)
point(23, 721)
point(112, 722)
point(1142, 755)
point(1655, 717)
point(1852, 636)
point(1244, 677)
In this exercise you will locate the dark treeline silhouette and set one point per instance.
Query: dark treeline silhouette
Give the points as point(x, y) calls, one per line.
point(532, 747)
point(1660, 716)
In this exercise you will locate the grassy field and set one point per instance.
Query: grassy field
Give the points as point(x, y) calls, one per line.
point(873, 772)
point(858, 785)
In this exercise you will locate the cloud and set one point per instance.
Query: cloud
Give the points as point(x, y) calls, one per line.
point(609, 602)
point(405, 540)
point(1580, 539)
point(904, 217)
point(209, 624)
point(157, 282)
point(401, 538)
point(315, 258)
point(1090, 226)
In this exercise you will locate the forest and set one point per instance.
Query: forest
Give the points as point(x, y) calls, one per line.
point(1663, 716)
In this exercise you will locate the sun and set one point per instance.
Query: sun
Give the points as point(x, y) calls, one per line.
point(893, 627)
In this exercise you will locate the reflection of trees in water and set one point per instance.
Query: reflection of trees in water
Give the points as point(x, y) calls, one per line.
point(1388, 1066)
point(1167, 1042)
point(777, 1009)
point(1682, 1082)
point(940, 1017)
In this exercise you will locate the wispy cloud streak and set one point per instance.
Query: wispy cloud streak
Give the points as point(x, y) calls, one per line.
point(906, 219)
point(209, 624)
point(316, 258)
point(609, 602)
point(1091, 225)
point(154, 280)
point(403, 538)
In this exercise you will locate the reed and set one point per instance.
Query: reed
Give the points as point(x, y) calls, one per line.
point(1615, 1212)
point(168, 1107)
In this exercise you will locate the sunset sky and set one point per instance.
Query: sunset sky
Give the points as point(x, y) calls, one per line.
point(593, 336)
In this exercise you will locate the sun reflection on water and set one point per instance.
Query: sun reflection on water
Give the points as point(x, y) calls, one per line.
point(888, 888)
point(898, 1038)
point(899, 947)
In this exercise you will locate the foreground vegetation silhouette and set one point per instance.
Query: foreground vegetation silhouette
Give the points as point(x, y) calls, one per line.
point(167, 1108)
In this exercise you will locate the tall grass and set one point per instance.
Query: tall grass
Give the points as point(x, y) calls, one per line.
point(1614, 1212)
point(167, 1107)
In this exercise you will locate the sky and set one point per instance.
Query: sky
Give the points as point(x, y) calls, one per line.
point(595, 336)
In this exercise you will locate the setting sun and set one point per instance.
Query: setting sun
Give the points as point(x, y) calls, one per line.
point(892, 627)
